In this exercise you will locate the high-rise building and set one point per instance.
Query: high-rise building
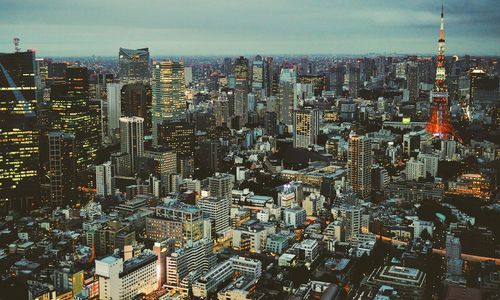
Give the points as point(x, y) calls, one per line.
point(134, 65)
point(268, 76)
point(179, 137)
point(221, 185)
point(187, 218)
point(217, 209)
point(412, 81)
point(166, 161)
point(136, 101)
point(257, 74)
point(62, 168)
point(19, 144)
point(305, 127)
point(113, 112)
point(132, 138)
point(359, 161)
point(104, 179)
point(72, 113)
point(241, 73)
point(286, 97)
point(168, 88)
point(195, 259)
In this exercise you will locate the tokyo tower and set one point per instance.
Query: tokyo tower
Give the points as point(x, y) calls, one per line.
point(439, 123)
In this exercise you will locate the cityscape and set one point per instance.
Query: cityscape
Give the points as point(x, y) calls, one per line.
point(203, 175)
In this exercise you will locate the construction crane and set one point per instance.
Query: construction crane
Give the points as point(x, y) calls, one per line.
point(16, 40)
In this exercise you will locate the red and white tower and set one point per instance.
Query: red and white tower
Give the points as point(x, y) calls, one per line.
point(439, 123)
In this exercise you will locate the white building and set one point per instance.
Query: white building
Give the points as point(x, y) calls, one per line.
point(250, 237)
point(132, 138)
point(421, 225)
point(307, 250)
point(414, 169)
point(114, 109)
point(294, 216)
point(431, 162)
point(217, 209)
point(124, 280)
point(104, 179)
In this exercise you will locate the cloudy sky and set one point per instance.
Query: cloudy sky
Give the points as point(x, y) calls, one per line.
point(193, 27)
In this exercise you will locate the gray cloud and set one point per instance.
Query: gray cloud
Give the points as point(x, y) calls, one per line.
point(71, 27)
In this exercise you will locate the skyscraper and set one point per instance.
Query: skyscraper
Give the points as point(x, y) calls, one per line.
point(168, 94)
point(179, 137)
point(257, 74)
point(286, 99)
point(305, 127)
point(71, 113)
point(359, 165)
point(113, 110)
point(241, 73)
point(19, 166)
point(62, 168)
point(412, 81)
point(132, 138)
point(134, 65)
point(268, 76)
point(221, 185)
point(136, 100)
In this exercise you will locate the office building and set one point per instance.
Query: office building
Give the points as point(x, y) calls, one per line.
point(294, 217)
point(71, 112)
point(217, 210)
point(185, 265)
point(134, 65)
point(168, 88)
point(62, 168)
point(136, 101)
point(415, 169)
point(305, 127)
point(411, 143)
point(179, 137)
point(19, 160)
point(131, 138)
point(104, 179)
point(127, 279)
point(188, 217)
point(359, 161)
point(257, 74)
point(221, 185)
point(113, 113)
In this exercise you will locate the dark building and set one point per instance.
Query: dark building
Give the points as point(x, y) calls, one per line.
point(72, 112)
point(19, 136)
point(179, 137)
point(62, 168)
point(208, 157)
point(136, 100)
point(134, 65)
point(318, 82)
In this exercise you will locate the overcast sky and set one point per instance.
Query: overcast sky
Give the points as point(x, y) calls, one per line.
point(193, 27)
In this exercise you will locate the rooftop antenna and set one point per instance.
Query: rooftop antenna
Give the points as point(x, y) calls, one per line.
point(16, 40)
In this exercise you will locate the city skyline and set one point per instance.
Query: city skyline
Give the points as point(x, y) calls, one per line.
point(196, 28)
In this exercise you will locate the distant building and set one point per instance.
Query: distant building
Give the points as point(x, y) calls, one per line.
point(62, 168)
point(134, 65)
point(305, 127)
point(359, 165)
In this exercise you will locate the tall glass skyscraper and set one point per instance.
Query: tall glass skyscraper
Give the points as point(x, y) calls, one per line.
point(71, 112)
point(19, 139)
point(168, 87)
point(134, 65)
